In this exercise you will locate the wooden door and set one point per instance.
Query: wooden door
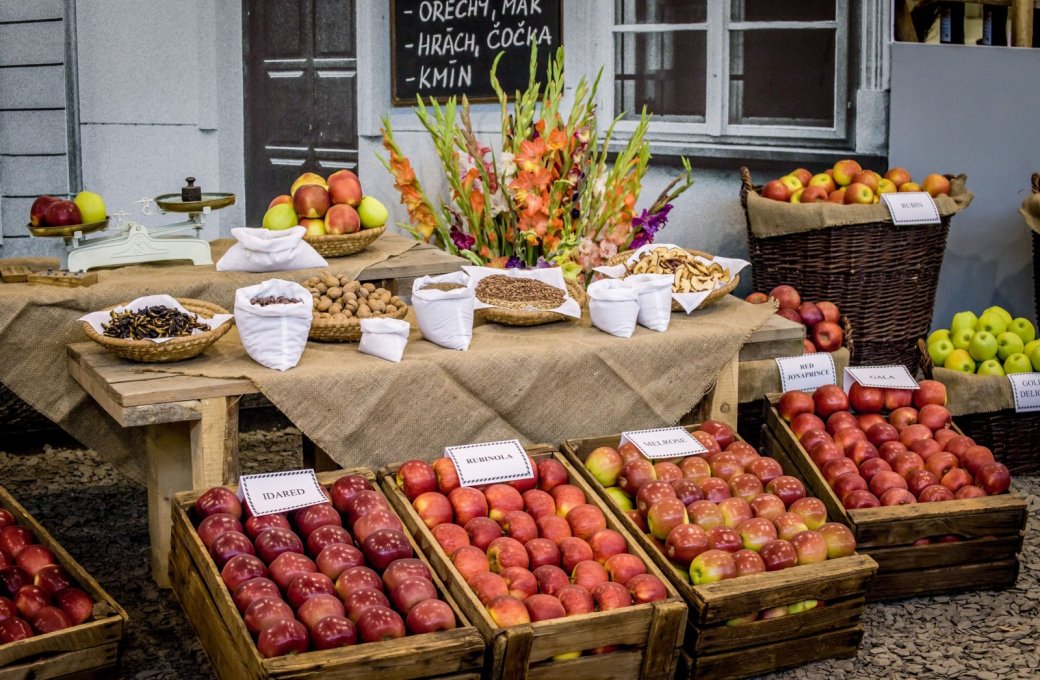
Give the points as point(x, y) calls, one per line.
point(300, 59)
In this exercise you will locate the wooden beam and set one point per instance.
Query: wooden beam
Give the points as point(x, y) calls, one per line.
point(1022, 23)
point(168, 454)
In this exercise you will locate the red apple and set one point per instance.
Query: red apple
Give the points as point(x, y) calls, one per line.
point(380, 623)
point(919, 480)
point(541, 551)
point(826, 453)
point(610, 596)
point(538, 503)
point(287, 566)
point(76, 603)
point(707, 440)
point(39, 209)
point(407, 567)
point(451, 537)
point(470, 560)
point(903, 418)
point(218, 499)
point(256, 524)
point(30, 599)
point(358, 578)
point(568, 496)
point(958, 444)
point(724, 538)
point(794, 402)
point(646, 588)
point(632, 477)
point(827, 336)
point(897, 497)
point(935, 493)
point(905, 463)
point(215, 525)
point(725, 466)
point(250, 591)
point(974, 457)
point(806, 422)
point(926, 447)
point(810, 313)
point(688, 491)
point(956, 478)
point(866, 399)
point(756, 532)
point(865, 421)
point(368, 524)
point(552, 474)
point(748, 562)
point(788, 489)
point(722, 432)
point(411, 591)
point(327, 535)
point(306, 586)
point(847, 483)
point(787, 296)
point(623, 567)
point(911, 433)
point(858, 499)
point(944, 436)
point(941, 463)
point(841, 420)
point(871, 467)
point(345, 488)
point(847, 437)
point(994, 478)
point(705, 514)
point(828, 399)
point(333, 632)
point(33, 558)
point(889, 450)
point(446, 474)
point(861, 451)
point(507, 610)
point(310, 518)
point(778, 554)
point(766, 469)
point(695, 468)
point(229, 544)
point(274, 541)
point(264, 611)
point(14, 539)
point(362, 503)
point(809, 546)
point(551, 579)
point(506, 552)
point(883, 481)
point(767, 506)
point(502, 498)
point(572, 551)
point(589, 574)
point(384, 546)
point(360, 600)
point(13, 578)
point(521, 582)
point(483, 530)
point(930, 392)
point(556, 528)
point(969, 492)
point(882, 432)
point(430, 616)
point(895, 398)
point(651, 493)
point(416, 477)
point(840, 541)
point(685, 542)
point(434, 508)
point(50, 619)
point(934, 417)
point(668, 471)
point(712, 566)
point(576, 600)
point(836, 468)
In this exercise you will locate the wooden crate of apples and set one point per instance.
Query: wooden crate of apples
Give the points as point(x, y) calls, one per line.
point(847, 183)
point(550, 578)
point(927, 503)
point(332, 588)
point(767, 578)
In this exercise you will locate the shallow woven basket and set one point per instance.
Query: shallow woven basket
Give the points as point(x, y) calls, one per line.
point(340, 245)
point(713, 297)
point(882, 276)
point(1009, 434)
point(1036, 251)
point(178, 349)
point(526, 317)
point(327, 330)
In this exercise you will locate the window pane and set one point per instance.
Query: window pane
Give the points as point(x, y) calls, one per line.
point(771, 82)
point(660, 11)
point(664, 71)
point(771, 10)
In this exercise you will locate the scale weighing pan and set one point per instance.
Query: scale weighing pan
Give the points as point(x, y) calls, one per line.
point(68, 231)
point(174, 203)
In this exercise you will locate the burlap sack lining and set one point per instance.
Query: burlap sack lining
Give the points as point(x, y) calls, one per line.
point(968, 393)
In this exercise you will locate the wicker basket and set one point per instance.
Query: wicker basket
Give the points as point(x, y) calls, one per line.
point(1036, 261)
point(526, 317)
point(713, 297)
point(341, 245)
point(1009, 434)
point(177, 349)
point(882, 276)
point(327, 330)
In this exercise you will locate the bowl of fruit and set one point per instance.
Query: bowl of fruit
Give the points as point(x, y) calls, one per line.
point(53, 217)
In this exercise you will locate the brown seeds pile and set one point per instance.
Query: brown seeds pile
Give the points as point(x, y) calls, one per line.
point(157, 321)
point(518, 293)
point(341, 299)
point(272, 300)
point(442, 286)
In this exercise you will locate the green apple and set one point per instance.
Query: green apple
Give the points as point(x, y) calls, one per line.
point(1018, 363)
point(991, 322)
point(373, 213)
point(990, 367)
point(939, 350)
point(619, 497)
point(963, 320)
point(1023, 328)
point(936, 335)
point(803, 606)
point(91, 207)
point(960, 360)
point(1030, 346)
point(1034, 357)
point(961, 338)
point(281, 216)
point(1008, 343)
point(983, 346)
point(999, 310)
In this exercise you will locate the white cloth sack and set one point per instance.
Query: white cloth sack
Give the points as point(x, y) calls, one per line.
point(97, 319)
point(655, 299)
point(614, 307)
point(384, 338)
point(445, 317)
point(274, 336)
point(264, 250)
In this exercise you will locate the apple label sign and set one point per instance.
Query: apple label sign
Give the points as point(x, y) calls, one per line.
point(664, 442)
point(911, 207)
point(807, 372)
point(895, 377)
point(273, 492)
point(490, 462)
point(1025, 387)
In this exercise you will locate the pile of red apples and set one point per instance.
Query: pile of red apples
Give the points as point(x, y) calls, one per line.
point(531, 550)
point(821, 319)
point(303, 581)
point(37, 595)
point(878, 446)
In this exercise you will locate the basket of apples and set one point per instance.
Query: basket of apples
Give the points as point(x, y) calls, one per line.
point(548, 575)
point(828, 236)
point(743, 544)
point(337, 587)
point(928, 503)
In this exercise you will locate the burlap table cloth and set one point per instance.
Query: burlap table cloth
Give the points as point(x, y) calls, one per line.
point(37, 322)
point(967, 393)
point(540, 384)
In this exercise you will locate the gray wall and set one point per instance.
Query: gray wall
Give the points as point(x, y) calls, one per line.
point(973, 110)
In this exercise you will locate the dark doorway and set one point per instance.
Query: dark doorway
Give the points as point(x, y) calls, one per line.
point(300, 59)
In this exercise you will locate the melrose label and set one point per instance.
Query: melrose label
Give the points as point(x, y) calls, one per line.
point(895, 377)
point(807, 372)
point(911, 207)
point(664, 442)
point(1025, 387)
point(274, 492)
point(490, 463)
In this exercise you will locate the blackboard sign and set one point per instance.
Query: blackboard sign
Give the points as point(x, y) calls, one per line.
point(442, 48)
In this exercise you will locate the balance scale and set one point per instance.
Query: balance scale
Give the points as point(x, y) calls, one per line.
point(136, 243)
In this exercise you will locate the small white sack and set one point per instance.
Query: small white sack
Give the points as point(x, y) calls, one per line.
point(384, 338)
point(264, 250)
point(614, 307)
point(445, 317)
point(274, 336)
point(655, 299)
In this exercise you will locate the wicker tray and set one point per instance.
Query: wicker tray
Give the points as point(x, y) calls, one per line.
point(326, 330)
point(713, 297)
point(523, 317)
point(178, 349)
point(340, 245)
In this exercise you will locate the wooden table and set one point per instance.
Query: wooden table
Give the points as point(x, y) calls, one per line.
point(192, 422)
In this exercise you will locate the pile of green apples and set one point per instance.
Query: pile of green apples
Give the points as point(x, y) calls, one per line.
point(992, 343)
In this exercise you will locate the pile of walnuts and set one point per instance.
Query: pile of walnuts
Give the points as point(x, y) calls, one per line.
point(341, 299)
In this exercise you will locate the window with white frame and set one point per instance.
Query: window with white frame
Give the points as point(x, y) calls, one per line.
point(735, 71)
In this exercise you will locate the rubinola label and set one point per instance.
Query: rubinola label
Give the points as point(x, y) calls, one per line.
point(273, 492)
point(490, 462)
point(807, 372)
point(1025, 387)
point(895, 377)
point(911, 207)
point(664, 442)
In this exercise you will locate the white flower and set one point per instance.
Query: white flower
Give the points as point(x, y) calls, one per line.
point(599, 187)
point(506, 165)
point(499, 204)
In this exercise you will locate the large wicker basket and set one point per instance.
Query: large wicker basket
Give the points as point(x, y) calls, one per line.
point(341, 245)
point(882, 276)
point(327, 330)
point(526, 317)
point(713, 297)
point(177, 349)
point(1036, 260)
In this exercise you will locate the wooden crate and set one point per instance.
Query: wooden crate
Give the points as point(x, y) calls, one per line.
point(649, 634)
point(447, 655)
point(88, 650)
point(991, 530)
point(715, 650)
